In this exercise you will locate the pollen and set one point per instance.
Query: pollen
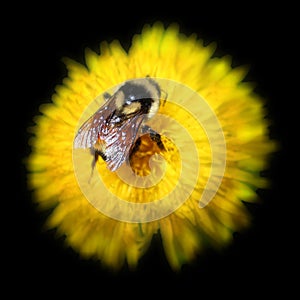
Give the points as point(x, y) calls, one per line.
point(139, 160)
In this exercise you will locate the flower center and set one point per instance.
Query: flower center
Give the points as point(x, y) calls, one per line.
point(152, 170)
point(140, 158)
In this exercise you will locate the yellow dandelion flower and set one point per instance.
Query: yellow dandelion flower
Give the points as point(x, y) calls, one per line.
point(188, 183)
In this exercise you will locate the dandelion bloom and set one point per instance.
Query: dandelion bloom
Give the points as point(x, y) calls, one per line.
point(215, 139)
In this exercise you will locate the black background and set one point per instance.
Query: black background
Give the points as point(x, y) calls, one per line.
point(259, 260)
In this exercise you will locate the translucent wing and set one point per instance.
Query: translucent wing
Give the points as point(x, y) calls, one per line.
point(89, 132)
point(113, 134)
point(120, 140)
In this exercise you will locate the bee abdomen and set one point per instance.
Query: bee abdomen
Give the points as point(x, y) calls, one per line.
point(100, 153)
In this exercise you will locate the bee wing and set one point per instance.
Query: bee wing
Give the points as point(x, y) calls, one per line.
point(120, 141)
point(88, 133)
point(116, 140)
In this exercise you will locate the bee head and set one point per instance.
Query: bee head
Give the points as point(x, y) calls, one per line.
point(140, 95)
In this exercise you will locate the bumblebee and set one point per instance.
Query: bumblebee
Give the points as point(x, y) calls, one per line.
point(113, 131)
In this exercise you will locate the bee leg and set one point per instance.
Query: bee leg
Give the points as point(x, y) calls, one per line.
point(93, 165)
point(155, 137)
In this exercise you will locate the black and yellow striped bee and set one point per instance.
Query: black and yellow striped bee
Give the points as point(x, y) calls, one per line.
point(113, 131)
